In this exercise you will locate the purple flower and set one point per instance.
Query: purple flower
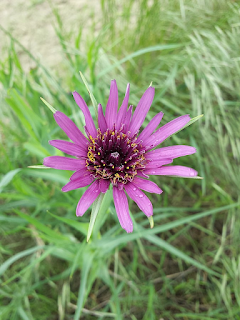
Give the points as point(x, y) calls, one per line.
point(115, 153)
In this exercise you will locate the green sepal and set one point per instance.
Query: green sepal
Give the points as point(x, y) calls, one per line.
point(94, 101)
point(189, 123)
point(48, 105)
point(151, 221)
point(39, 166)
point(95, 209)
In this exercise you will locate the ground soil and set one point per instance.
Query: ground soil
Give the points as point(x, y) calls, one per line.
point(32, 23)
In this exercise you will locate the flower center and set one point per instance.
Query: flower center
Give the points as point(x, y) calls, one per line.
point(116, 156)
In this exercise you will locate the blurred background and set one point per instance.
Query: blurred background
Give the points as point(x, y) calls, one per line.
point(188, 265)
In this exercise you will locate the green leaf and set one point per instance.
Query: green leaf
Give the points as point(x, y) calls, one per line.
point(32, 264)
point(30, 121)
point(171, 249)
point(7, 178)
point(79, 226)
point(16, 257)
point(110, 244)
point(95, 209)
point(41, 227)
point(139, 53)
point(51, 175)
point(35, 148)
point(82, 285)
point(23, 314)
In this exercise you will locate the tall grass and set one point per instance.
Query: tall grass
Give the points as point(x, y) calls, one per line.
point(188, 265)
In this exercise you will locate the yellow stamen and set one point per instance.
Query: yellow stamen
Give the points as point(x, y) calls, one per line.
point(91, 138)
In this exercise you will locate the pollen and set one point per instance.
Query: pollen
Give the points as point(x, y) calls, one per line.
point(91, 138)
point(120, 159)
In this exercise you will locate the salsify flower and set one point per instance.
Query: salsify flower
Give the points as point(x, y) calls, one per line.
point(115, 153)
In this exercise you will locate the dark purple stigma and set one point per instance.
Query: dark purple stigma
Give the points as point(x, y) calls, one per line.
point(116, 156)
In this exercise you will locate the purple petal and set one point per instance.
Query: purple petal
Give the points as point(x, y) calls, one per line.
point(101, 119)
point(158, 163)
point(165, 131)
point(103, 185)
point(89, 196)
point(75, 184)
point(70, 129)
point(123, 109)
point(142, 174)
point(127, 119)
point(64, 163)
point(177, 171)
point(145, 134)
point(87, 115)
point(79, 174)
point(69, 148)
point(170, 152)
point(141, 110)
point(112, 105)
point(147, 185)
point(140, 198)
point(121, 205)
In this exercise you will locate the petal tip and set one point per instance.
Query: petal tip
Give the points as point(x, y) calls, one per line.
point(193, 173)
point(51, 142)
point(57, 114)
point(130, 230)
point(78, 212)
point(45, 161)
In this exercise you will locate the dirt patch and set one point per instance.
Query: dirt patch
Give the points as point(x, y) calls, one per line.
point(32, 23)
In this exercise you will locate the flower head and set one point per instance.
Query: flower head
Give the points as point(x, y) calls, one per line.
point(115, 153)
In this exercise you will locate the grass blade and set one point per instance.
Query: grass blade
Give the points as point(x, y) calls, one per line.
point(82, 285)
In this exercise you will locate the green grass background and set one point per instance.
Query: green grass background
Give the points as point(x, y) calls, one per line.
point(188, 265)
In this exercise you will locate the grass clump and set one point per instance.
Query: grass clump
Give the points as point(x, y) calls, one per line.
point(187, 266)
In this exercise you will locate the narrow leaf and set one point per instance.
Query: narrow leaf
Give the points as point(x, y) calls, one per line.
point(171, 249)
point(79, 226)
point(82, 285)
point(7, 178)
point(40, 226)
point(110, 244)
point(18, 256)
point(139, 53)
